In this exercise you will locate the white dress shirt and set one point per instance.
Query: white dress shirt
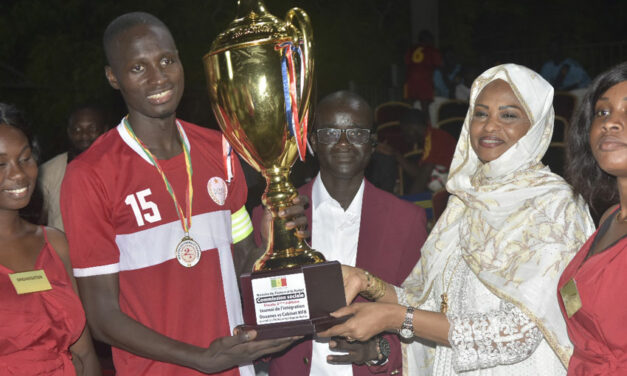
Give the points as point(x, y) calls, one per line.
point(335, 233)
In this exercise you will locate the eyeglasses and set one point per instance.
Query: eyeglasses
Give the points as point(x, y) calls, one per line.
point(356, 136)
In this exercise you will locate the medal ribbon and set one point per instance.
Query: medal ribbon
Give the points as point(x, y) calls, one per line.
point(297, 128)
point(186, 221)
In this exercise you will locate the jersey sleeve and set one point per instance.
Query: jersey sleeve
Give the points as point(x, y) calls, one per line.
point(86, 210)
point(241, 225)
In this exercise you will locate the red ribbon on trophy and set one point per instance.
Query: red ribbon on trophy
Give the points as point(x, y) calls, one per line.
point(297, 128)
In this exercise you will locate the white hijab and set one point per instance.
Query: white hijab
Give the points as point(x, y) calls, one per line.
point(516, 224)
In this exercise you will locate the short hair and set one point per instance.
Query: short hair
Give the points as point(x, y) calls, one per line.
point(596, 186)
point(125, 22)
point(413, 116)
point(346, 97)
point(10, 115)
point(100, 112)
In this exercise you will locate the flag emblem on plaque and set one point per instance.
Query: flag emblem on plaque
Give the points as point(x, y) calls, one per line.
point(279, 282)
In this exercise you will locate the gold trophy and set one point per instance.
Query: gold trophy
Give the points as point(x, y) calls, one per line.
point(259, 76)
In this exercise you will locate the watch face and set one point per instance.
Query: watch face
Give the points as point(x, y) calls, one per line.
point(406, 333)
point(384, 347)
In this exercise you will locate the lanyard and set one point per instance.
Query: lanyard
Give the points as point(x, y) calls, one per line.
point(185, 221)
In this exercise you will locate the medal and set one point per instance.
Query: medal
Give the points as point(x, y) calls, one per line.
point(188, 250)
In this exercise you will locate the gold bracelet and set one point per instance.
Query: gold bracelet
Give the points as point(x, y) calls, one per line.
point(376, 287)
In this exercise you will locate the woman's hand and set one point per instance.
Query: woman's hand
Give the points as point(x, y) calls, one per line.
point(369, 319)
point(355, 281)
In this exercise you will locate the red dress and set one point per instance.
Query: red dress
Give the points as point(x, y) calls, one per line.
point(37, 329)
point(598, 329)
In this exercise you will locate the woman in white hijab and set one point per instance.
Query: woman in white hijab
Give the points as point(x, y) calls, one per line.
point(484, 290)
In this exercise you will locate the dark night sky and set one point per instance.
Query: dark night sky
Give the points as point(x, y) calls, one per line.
point(51, 56)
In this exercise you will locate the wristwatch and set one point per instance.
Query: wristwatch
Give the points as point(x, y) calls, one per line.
point(407, 329)
point(383, 352)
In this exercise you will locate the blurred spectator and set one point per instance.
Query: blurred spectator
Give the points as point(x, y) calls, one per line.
point(421, 61)
point(431, 171)
point(446, 77)
point(562, 72)
point(462, 89)
point(86, 123)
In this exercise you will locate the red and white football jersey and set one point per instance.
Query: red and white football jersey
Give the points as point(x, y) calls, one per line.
point(120, 218)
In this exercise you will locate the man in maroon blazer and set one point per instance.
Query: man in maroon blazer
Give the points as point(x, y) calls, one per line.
point(355, 223)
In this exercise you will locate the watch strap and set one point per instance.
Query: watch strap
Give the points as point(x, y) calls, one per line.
point(407, 328)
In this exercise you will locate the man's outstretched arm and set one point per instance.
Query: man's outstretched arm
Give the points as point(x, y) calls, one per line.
point(110, 325)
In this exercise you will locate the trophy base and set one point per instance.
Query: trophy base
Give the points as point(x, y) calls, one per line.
point(288, 259)
point(293, 302)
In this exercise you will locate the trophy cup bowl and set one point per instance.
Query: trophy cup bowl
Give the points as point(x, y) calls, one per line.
point(259, 77)
point(246, 86)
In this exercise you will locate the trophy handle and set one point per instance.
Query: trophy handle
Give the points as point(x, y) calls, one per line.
point(306, 75)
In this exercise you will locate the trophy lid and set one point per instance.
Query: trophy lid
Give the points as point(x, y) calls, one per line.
point(253, 24)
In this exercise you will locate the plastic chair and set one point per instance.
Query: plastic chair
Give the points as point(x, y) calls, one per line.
point(451, 109)
point(560, 129)
point(555, 158)
point(390, 111)
point(390, 133)
point(453, 126)
point(564, 104)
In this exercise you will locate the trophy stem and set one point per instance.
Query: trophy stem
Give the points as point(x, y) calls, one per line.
point(284, 249)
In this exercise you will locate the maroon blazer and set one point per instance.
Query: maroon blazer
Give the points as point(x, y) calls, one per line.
point(391, 234)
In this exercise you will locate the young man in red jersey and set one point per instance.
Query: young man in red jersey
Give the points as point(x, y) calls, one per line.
point(156, 223)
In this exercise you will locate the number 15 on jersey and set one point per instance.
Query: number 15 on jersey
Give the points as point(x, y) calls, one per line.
point(142, 208)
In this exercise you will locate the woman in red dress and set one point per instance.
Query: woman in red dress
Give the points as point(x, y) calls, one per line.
point(592, 290)
point(42, 323)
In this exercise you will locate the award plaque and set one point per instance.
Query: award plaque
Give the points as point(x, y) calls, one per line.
point(259, 77)
point(293, 302)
